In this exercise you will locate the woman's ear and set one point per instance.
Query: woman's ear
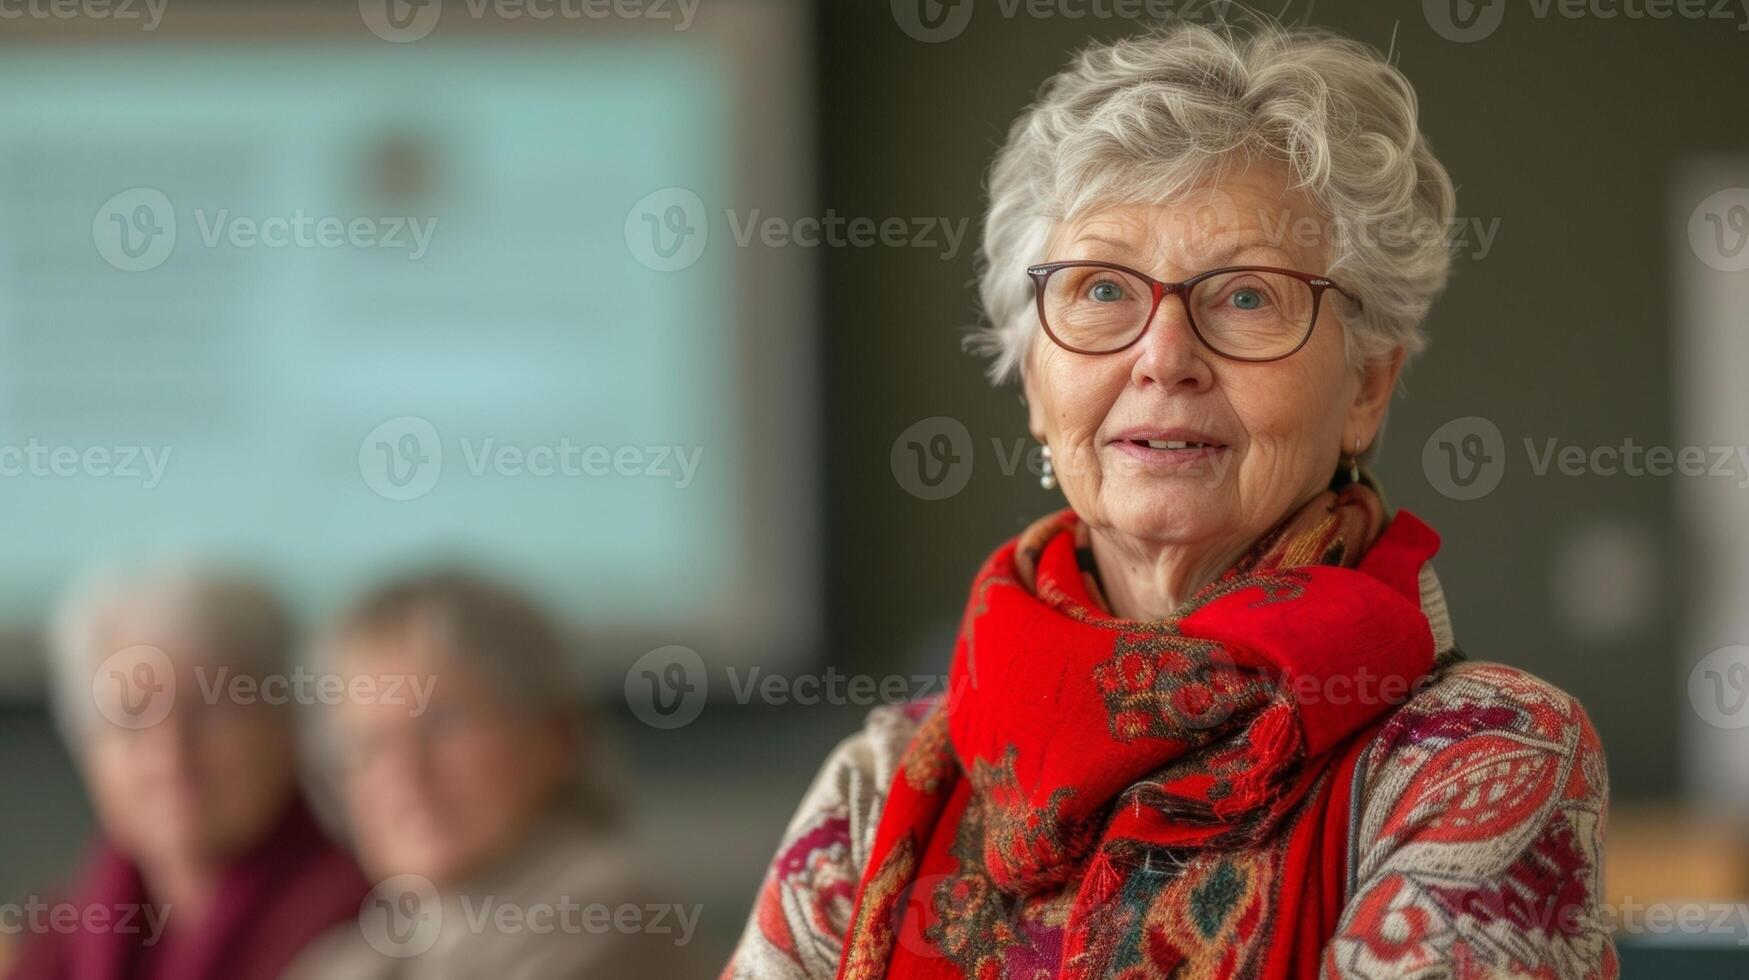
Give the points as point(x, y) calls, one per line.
point(1378, 381)
point(1035, 413)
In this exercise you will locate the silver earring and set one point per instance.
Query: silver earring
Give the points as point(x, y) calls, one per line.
point(1048, 475)
point(1354, 463)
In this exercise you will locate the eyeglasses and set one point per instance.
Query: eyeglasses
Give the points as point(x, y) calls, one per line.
point(1246, 313)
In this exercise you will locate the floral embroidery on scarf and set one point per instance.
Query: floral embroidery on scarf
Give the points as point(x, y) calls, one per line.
point(1019, 835)
point(928, 760)
point(1173, 687)
point(985, 932)
point(877, 914)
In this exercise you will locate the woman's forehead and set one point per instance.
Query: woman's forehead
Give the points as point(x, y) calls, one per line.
point(1182, 238)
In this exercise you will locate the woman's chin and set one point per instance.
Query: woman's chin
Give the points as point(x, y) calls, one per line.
point(1165, 511)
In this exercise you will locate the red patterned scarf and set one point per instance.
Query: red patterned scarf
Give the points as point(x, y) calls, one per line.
point(1106, 797)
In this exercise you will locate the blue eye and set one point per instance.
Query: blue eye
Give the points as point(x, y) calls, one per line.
point(1248, 299)
point(1106, 292)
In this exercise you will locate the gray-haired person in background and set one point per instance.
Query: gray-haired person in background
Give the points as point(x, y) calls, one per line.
point(469, 778)
point(207, 862)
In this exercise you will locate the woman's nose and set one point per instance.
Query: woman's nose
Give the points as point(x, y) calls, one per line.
point(1169, 353)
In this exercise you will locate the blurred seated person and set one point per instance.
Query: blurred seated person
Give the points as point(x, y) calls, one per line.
point(207, 863)
point(470, 782)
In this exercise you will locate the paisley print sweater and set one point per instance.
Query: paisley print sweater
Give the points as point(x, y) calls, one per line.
point(1475, 836)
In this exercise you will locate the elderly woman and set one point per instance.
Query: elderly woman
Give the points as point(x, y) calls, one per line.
point(1211, 720)
point(209, 864)
point(472, 790)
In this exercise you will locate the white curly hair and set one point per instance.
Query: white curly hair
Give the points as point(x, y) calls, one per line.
point(1148, 118)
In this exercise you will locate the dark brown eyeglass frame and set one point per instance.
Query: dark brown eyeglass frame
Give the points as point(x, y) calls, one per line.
point(1041, 273)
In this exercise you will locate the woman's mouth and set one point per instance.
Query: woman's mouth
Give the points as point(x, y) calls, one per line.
point(1172, 444)
point(1169, 450)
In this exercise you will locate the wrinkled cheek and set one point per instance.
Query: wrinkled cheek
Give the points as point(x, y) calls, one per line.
point(1270, 474)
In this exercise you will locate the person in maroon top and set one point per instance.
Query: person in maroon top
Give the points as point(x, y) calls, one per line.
point(172, 690)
